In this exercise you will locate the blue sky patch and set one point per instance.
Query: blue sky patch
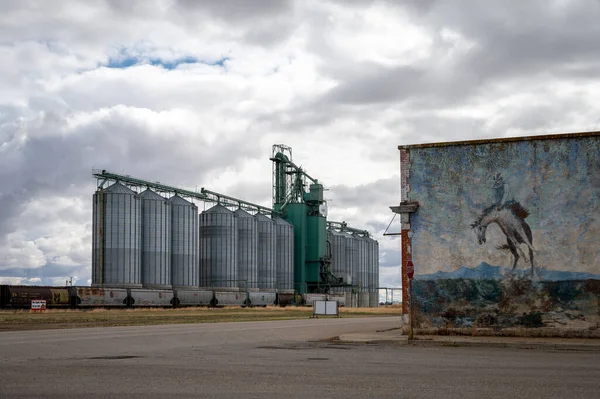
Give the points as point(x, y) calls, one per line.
point(126, 62)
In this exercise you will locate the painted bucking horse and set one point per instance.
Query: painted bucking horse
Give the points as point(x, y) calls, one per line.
point(510, 216)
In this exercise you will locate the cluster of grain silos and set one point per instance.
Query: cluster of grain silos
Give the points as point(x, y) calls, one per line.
point(146, 240)
point(355, 258)
point(149, 237)
point(243, 251)
point(143, 240)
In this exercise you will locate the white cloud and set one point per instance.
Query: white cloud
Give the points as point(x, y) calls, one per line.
point(343, 83)
point(19, 280)
point(19, 251)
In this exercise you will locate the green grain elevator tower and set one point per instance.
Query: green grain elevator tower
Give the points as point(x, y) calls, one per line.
point(298, 198)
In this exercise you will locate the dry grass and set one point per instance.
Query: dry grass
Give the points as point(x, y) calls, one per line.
point(387, 310)
point(11, 320)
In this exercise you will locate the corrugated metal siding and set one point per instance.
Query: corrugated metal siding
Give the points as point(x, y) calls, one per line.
point(247, 248)
point(267, 247)
point(156, 240)
point(218, 248)
point(363, 274)
point(96, 241)
point(284, 263)
point(353, 260)
point(351, 299)
point(375, 270)
point(340, 254)
point(184, 243)
point(122, 237)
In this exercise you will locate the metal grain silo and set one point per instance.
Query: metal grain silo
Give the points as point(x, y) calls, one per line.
point(330, 248)
point(156, 240)
point(284, 263)
point(352, 259)
point(267, 247)
point(184, 243)
point(363, 297)
point(218, 253)
point(339, 266)
point(367, 271)
point(349, 269)
point(247, 247)
point(373, 302)
point(117, 218)
point(357, 263)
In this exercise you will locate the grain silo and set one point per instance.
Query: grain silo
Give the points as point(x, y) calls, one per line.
point(332, 251)
point(156, 240)
point(351, 260)
point(356, 267)
point(371, 265)
point(184, 243)
point(374, 301)
point(267, 244)
point(367, 272)
point(363, 296)
point(218, 248)
point(339, 264)
point(284, 261)
point(247, 247)
point(117, 220)
point(368, 277)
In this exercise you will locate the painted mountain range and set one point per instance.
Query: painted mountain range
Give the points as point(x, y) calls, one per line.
point(488, 272)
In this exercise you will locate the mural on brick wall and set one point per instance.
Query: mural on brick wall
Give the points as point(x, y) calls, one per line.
point(507, 233)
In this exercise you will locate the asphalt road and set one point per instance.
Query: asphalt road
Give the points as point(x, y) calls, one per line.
point(281, 359)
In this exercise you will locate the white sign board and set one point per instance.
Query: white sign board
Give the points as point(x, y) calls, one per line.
point(325, 308)
point(331, 307)
point(38, 304)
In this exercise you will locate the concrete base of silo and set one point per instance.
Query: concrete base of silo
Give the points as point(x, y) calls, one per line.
point(374, 300)
point(186, 287)
point(363, 300)
point(351, 300)
point(226, 289)
point(157, 287)
point(135, 286)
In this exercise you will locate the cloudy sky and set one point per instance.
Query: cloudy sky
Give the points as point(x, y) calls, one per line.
point(194, 93)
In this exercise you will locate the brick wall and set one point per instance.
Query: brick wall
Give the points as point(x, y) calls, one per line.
point(405, 239)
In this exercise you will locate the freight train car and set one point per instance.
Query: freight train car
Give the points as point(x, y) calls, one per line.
point(86, 297)
point(285, 298)
point(192, 298)
point(262, 298)
point(151, 298)
point(229, 298)
point(20, 296)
